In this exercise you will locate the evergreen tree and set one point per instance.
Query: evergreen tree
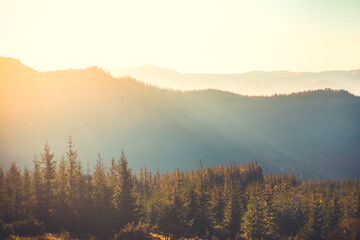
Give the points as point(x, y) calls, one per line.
point(100, 196)
point(29, 198)
point(85, 200)
point(218, 205)
point(271, 218)
point(3, 196)
point(203, 193)
point(254, 225)
point(315, 225)
point(48, 170)
point(350, 207)
point(15, 193)
point(61, 194)
point(172, 221)
point(290, 214)
point(99, 184)
point(39, 190)
point(217, 210)
point(154, 212)
point(124, 200)
point(74, 175)
point(234, 210)
point(192, 217)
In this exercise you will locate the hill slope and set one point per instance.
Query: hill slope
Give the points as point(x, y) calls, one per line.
point(314, 134)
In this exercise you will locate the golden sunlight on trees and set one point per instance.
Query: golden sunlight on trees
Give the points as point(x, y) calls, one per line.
point(223, 202)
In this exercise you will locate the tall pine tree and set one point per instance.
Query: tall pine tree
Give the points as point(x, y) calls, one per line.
point(100, 198)
point(29, 198)
point(61, 194)
point(38, 190)
point(15, 193)
point(48, 169)
point(124, 200)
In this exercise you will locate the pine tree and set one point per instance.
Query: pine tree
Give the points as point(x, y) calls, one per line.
point(192, 217)
point(290, 213)
point(154, 212)
point(124, 200)
point(203, 193)
point(271, 218)
point(217, 211)
point(99, 184)
point(48, 170)
point(141, 197)
point(315, 225)
point(85, 200)
point(38, 190)
point(350, 207)
point(15, 193)
point(61, 194)
point(74, 175)
point(29, 198)
point(173, 220)
point(100, 196)
point(234, 210)
point(3, 197)
point(253, 225)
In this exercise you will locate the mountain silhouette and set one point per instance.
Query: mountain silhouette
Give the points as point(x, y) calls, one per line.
point(249, 83)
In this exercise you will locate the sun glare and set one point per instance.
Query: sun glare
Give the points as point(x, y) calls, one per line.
point(188, 36)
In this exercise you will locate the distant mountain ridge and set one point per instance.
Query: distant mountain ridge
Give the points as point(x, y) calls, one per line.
point(314, 134)
point(248, 83)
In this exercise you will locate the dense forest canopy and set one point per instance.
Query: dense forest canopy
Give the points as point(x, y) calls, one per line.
point(314, 135)
point(219, 202)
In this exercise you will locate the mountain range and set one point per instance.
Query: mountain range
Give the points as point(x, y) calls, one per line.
point(314, 134)
point(253, 83)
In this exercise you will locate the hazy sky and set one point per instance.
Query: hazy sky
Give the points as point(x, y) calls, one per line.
point(185, 35)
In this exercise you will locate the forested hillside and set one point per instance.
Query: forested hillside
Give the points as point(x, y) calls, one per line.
point(220, 202)
point(314, 134)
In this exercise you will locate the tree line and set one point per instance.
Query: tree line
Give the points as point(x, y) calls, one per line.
point(222, 202)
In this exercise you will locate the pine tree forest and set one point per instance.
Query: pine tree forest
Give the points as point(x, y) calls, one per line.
point(220, 202)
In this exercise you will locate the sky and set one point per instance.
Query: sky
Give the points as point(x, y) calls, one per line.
point(190, 36)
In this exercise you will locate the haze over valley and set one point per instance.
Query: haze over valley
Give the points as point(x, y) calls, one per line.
point(312, 134)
